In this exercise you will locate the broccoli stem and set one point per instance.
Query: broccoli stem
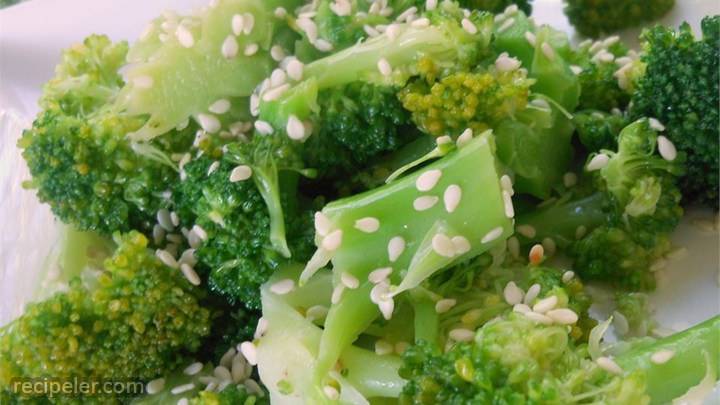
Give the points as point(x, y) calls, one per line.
point(692, 349)
point(426, 320)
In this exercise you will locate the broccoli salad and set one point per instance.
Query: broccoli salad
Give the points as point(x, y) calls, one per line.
point(372, 202)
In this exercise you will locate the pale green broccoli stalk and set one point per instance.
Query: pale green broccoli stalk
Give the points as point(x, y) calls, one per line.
point(410, 228)
point(182, 71)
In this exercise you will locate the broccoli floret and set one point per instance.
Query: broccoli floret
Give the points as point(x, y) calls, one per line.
point(680, 89)
point(234, 395)
point(496, 6)
point(593, 18)
point(78, 154)
point(598, 130)
point(133, 319)
point(596, 64)
point(633, 314)
point(617, 231)
point(513, 359)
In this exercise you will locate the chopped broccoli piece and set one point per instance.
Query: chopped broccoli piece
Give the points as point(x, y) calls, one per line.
point(593, 18)
point(680, 89)
point(597, 63)
point(636, 314)
point(135, 318)
point(598, 130)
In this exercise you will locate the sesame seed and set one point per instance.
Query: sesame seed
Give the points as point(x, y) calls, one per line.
point(563, 316)
point(506, 183)
point(514, 247)
point(253, 387)
point(251, 49)
point(190, 274)
point(238, 367)
point(316, 312)
point(249, 23)
point(384, 67)
point(263, 127)
point(530, 37)
point(143, 82)
point(622, 61)
point(549, 246)
point(182, 388)
point(512, 293)
point(428, 180)
point(155, 386)
point(367, 224)
point(598, 162)
point(349, 281)
point(532, 293)
point(468, 26)
point(164, 220)
point(464, 138)
point(461, 244)
point(240, 173)
point(609, 365)
point(383, 347)
point(539, 318)
point(443, 245)
point(576, 69)
point(295, 69)
point(222, 373)
point(341, 7)
point(392, 31)
point(395, 248)
point(184, 36)
point(537, 254)
point(261, 328)
point(200, 232)
point(666, 148)
point(545, 304)
point(209, 123)
point(610, 41)
point(166, 258)
point(406, 14)
point(431, 4)
point(337, 294)
point(511, 9)
point(461, 335)
point(213, 167)
point(492, 235)
point(280, 12)
point(387, 306)
point(158, 234)
point(370, 31)
point(323, 45)
point(331, 392)
point(254, 105)
point(249, 350)
point(322, 224)
point(421, 23)
point(425, 202)
point(308, 27)
point(442, 140)
point(283, 286)
point(229, 48)
point(507, 200)
point(504, 63)
point(662, 356)
point(220, 106)
point(295, 128)
point(379, 275)
point(238, 23)
point(500, 18)
point(277, 53)
point(444, 305)
point(379, 291)
point(332, 241)
point(506, 25)
point(452, 197)
point(548, 51)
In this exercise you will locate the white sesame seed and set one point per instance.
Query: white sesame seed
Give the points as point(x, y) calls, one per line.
point(420, 23)
point(392, 31)
point(158, 234)
point(143, 82)
point(507, 200)
point(539, 318)
point(383, 347)
point(549, 246)
point(425, 202)
point(261, 328)
point(322, 224)
point(251, 49)
point(444, 305)
point(511, 9)
point(532, 293)
point(610, 41)
point(530, 37)
point(521, 308)
point(623, 60)
point(468, 26)
point(166, 258)
point(443, 245)
point(512, 293)
point(537, 254)
point(220, 106)
point(309, 27)
point(332, 241)
point(609, 365)
point(396, 246)
point(155, 386)
point(431, 4)
point(316, 312)
point(462, 335)
point(295, 128)
point(190, 274)
point(379, 291)
point(222, 373)
point(249, 350)
point(548, 51)
point(184, 36)
point(238, 367)
point(164, 220)
point(563, 316)
point(240, 173)
point(283, 286)
point(666, 148)
point(238, 23)
point(263, 127)
point(428, 180)
point(367, 224)
point(209, 123)
point(500, 18)
point(323, 45)
point(506, 25)
point(662, 356)
point(200, 232)
point(249, 23)
point(384, 67)
point(407, 13)
point(514, 247)
point(341, 7)
point(442, 140)
point(295, 69)
point(349, 281)
point(278, 77)
point(452, 197)
point(545, 304)
point(386, 306)
point(182, 388)
point(337, 294)
point(277, 53)
point(492, 235)
point(598, 162)
point(656, 125)
point(504, 63)
point(370, 31)
point(576, 69)
point(183, 401)
point(213, 167)
point(254, 105)
point(568, 276)
point(506, 183)
point(280, 12)
point(464, 138)
point(229, 48)
point(461, 244)
point(379, 275)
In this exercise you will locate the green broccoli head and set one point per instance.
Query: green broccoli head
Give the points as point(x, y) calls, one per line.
point(133, 319)
point(593, 18)
point(681, 71)
point(497, 6)
point(598, 130)
point(233, 395)
point(596, 64)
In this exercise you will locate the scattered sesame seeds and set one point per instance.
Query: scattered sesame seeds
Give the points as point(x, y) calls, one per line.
point(383, 347)
point(539, 318)
point(443, 245)
point(610, 41)
point(332, 241)
point(295, 128)
point(158, 234)
point(275, 93)
point(464, 138)
point(407, 13)
point(492, 235)
point(229, 48)
point(598, 162)
point(536, 255)
point(666, 148)
point(530, 37)
point(143, 82)
point(220, 106)
point(425, 202)
point(155, 386)
point(384, 67)
point(184, 36)
point(166, 258)
point(507, 200)
point(532, 293)
point(283, 286)
point(506, 182)
point(609, 365)
point(504, 63)
point(512, 293)
point(182, 388)
point(548, 51)
point(337, 294)
point(387, 306)
point(521, 308)
point(249, 350)
point(209, 123)
point(623, 60)
point(349, 281)
point(263, 127)
point(379, 275)
point(468, 26)
point(238, 23)
point(461, 244)
point(563, 316)
point(331, 392)
point(190, 274)
point(222, 373)
point(308, 27)
point(295, 69)
point(379, 291)
point(662, 356)
point(511, 9)
point(396, 246)
point(442, 140)
point(251, 49)
point(461, 335)
point(370, 31)
point(452, 197)
point(513, 245)
point(545, 304)
point(322, 224)
point(506, 25)
point(568, 276)
point(240, 173)
point(367, 224)
point(444, 305)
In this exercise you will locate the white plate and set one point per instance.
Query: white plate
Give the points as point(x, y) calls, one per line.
point(31, 37)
